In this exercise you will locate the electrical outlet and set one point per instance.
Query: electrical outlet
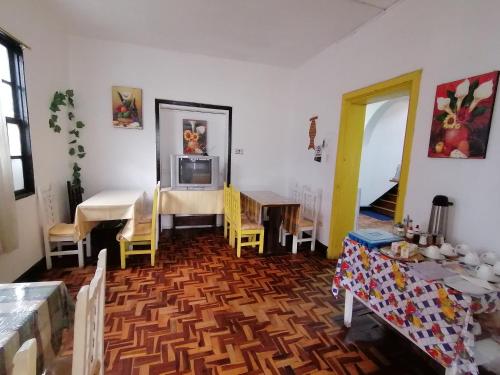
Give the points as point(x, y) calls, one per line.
point(238, 151)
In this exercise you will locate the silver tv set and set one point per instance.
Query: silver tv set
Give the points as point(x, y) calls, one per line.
point(194, 172)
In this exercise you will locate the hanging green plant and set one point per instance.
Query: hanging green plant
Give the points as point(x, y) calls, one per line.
point(65, 100)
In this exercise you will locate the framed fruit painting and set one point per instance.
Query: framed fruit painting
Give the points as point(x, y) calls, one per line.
point(127, 107)
point(462, 117)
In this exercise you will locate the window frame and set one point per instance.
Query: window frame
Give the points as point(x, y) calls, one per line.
point(21, 118)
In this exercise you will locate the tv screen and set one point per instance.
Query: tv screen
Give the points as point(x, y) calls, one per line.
point(195, 171)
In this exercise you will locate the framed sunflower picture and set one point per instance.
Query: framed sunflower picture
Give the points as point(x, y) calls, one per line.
point(194, 137)
point(462, 117)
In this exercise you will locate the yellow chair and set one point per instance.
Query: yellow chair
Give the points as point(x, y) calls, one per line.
point(145, 233)
point(227, 210)
point(243, 228)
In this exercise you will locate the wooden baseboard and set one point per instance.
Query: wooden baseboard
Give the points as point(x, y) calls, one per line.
point(33, 273)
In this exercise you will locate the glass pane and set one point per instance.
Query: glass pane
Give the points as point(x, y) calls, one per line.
point(4, 64)
point(14, 139)
point(17, 171)
point(6, 104)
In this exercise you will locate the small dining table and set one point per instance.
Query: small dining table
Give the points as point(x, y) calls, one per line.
point(109, 205)
point(280, 210)
point(41, 310)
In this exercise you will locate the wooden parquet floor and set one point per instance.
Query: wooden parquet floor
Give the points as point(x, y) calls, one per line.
point(201, 310)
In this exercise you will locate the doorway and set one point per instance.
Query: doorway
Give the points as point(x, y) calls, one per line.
point(350, 146)
point(380, 166)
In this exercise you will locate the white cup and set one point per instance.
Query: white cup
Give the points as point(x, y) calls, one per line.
point(496, 268)
point(447, 249)
point(433, 252)
point(471, 259)
point(488, 257)
point(485, 272)
point(463, 249)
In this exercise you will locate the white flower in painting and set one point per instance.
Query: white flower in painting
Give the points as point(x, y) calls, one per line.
point(443, 104)
point(462, 89)
point(484, 90)
point(201, 129)
point(457, 154)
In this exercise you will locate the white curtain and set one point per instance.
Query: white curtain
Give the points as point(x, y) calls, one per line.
point(8, 217)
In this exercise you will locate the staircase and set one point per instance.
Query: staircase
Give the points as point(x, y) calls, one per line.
point(386, 204)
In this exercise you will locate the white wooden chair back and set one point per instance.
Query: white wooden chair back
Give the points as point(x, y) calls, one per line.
point(47, 207)
point(295, 193)
point(88, 353)
point(310, 204)
point(102, 264)
point(25, 359)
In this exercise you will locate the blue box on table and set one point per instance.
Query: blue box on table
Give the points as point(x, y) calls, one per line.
point(372, 238)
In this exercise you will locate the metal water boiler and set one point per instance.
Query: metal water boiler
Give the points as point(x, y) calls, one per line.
point(439, 215)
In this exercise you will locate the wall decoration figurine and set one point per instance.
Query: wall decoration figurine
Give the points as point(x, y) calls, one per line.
point(127, 107)
point(462, 117)
point(194, 137)
point(312, 133)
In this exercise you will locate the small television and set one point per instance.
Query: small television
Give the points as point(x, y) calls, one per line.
point(194, 172)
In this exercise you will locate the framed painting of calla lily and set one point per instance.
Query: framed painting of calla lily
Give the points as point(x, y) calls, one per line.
point(462, 117)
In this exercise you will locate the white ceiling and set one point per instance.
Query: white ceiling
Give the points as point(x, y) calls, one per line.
point(275, 32)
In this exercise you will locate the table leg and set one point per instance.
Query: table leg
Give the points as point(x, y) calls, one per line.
point(88, 246)
point(348, 302)
point(271, 238)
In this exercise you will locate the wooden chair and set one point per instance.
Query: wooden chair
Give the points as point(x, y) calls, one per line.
point(243, 228)
point(309, 213)
point(25, 359)
point(88, 332)
point(56, 232)
point(227, 210)
point(88, 340)
point(145, 233)
point(74, 197)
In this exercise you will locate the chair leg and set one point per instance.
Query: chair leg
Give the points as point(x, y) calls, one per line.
point(294, 244)
point(48, 259)
point(87, 245)
point(261, 242)
point(283, 237)
point(313, 240)
point(238, 246)
point(59, 249)
point(232, 235)
point(123, 247)
point(153, 258)
point(225, 227)
point(80, 254)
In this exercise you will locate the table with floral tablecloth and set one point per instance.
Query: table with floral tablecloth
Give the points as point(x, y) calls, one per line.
point(41, 310)
point(435, 317)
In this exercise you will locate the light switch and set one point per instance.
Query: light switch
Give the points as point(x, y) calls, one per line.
point(238, 151)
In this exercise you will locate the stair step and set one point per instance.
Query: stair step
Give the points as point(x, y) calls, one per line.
point(385, 204)
point(383, 211)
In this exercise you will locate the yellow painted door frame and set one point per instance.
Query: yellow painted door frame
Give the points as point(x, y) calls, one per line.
point(350, 143)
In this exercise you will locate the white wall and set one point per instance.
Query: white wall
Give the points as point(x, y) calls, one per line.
point(46, 71)
point(385, 127)
point(125, 158)
point(449, 40)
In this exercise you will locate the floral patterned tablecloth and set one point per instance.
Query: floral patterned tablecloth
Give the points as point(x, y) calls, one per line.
point(437, 318)
point(40, 310)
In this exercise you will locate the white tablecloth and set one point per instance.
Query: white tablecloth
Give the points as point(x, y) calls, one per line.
point(191, 202)
point(109, 205)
